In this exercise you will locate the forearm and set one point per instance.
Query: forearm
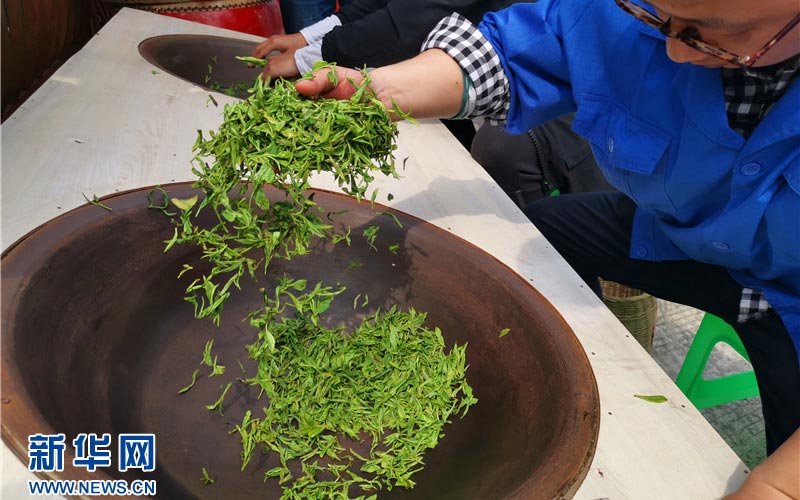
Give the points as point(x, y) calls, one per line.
point(777, 478)
point(429, 85)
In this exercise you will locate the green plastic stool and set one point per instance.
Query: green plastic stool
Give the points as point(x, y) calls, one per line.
point(705, 393)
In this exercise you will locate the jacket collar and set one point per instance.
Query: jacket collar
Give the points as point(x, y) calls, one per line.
point(700, 90)
point(781, 122)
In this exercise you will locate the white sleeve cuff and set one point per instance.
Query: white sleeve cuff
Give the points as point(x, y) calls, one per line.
point(305, 58)
point(316, 31)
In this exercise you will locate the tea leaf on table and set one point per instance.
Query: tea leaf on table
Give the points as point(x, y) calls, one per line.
point(652, 399)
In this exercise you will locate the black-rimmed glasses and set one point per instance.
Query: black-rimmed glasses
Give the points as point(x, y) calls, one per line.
point(691, 36)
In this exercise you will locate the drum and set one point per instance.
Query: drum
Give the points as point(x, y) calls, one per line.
point(256, 17)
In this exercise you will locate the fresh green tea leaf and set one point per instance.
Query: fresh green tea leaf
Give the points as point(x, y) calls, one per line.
point(184, 204)
point(252, 60)
point(207, 480)
point(652, 399)
point(217, 405)
point(94, 201)
point(194, 379)
point(387, 382)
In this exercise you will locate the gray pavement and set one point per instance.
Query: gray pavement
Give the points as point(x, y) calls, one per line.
point(740, 423)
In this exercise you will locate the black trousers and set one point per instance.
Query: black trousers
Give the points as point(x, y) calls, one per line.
point(592, 231)
point(532, 165)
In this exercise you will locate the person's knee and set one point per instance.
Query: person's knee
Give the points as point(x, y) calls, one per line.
point(542, 213)
point(510, 160)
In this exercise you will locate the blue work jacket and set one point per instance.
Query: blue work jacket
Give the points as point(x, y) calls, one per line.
point(660, 133)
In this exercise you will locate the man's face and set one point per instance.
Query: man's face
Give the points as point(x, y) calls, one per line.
point(738, 26)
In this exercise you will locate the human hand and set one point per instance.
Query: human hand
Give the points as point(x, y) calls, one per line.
point(428, 86)
point(281, 65)
point(761, 490)
point(347, 82)
point(279, 43)
point(776, 477)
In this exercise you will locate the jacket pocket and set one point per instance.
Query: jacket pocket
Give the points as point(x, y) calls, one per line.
point(625, 141)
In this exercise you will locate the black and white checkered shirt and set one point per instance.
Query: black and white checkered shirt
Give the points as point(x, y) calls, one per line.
point(748, 97)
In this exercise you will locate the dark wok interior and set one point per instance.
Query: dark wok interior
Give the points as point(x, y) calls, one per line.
point(97, 338)
point(189, 57)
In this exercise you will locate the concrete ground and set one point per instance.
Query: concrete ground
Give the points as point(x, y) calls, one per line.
point(740, 423)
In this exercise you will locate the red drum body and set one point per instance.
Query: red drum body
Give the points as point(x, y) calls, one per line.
point(256, 17)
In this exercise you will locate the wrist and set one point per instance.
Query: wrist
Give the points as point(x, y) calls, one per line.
point(430, 85)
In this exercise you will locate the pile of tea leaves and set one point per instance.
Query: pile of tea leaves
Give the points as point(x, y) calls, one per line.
point(278, 138)
point(389, 383)
point(388, 387)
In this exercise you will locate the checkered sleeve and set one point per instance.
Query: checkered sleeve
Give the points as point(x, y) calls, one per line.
point(753, 305)
point(487, 88)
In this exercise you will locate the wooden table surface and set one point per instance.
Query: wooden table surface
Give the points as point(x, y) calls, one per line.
point(105, 123)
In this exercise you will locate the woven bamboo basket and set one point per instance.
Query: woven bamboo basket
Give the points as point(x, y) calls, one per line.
point(634, 308)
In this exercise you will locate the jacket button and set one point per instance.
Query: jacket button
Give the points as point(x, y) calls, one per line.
point(720, 245)
point(640, 251)
point(751, 169)
point(610, 144)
